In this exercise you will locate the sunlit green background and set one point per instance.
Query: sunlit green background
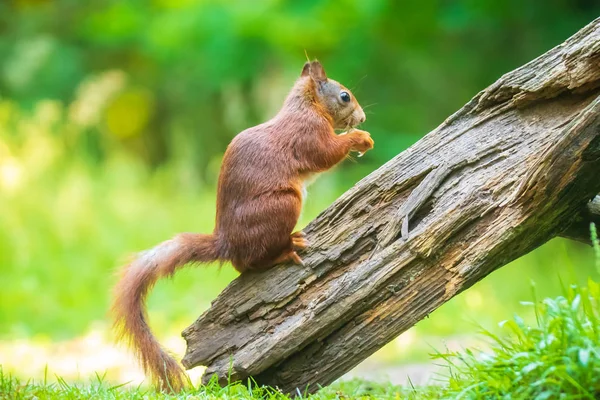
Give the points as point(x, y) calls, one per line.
point(114, 116)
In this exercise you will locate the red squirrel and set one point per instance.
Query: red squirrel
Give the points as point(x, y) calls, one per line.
point(259, 199)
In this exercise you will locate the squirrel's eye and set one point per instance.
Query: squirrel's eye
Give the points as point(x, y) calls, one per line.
point(345, 96)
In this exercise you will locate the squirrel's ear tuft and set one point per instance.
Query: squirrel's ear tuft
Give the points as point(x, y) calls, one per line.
point(317, 72)
point(306, 69)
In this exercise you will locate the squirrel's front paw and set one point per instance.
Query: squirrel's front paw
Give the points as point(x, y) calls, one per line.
point(362, 141)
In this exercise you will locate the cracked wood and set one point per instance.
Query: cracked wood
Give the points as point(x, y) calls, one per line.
point(515, 167)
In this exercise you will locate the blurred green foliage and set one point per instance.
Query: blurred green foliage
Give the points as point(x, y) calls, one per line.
point(196, 72)
point(114, 116)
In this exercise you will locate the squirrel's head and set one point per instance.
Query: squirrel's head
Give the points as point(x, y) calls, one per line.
point(335, 98)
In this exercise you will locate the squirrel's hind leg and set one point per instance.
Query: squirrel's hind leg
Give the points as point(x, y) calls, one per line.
point(263, 265)
point(299, 241)
point(296, 242)
point(289, 255)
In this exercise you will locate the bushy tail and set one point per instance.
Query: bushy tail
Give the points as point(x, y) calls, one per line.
point(129, 310)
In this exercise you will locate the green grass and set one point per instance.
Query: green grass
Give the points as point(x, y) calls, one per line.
point(68, 222)
point(11, 388)
point(557, 357)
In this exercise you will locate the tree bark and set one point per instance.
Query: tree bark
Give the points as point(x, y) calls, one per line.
point(512, 169)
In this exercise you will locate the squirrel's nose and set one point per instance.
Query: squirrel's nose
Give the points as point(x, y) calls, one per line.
point(361, 116)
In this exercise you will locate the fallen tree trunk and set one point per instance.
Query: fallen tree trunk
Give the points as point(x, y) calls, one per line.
point(512, 169)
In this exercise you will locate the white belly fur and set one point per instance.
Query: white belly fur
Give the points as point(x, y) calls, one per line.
point(308, 180)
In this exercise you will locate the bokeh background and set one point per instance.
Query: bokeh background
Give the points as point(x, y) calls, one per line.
point(114, 116)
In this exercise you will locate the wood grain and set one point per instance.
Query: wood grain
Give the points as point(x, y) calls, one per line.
point(513, 168)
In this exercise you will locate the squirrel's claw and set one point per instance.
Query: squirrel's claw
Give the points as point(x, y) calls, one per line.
point(299, 242)
point(296, 258)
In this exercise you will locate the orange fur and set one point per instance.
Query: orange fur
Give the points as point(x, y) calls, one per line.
point(259, 199)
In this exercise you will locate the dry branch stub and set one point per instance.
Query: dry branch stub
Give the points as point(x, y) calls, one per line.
point(509, 171)
point(580, 227)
